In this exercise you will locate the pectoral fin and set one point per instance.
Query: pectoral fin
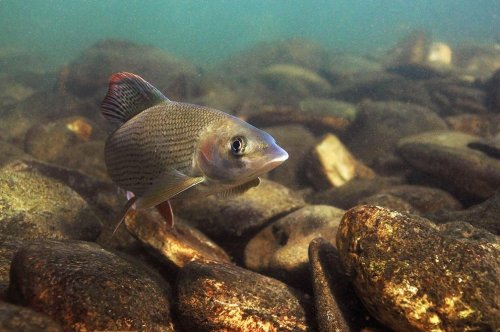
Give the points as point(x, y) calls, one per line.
point(240, 189)
point(167, 186)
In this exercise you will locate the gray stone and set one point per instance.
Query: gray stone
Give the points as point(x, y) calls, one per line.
point(19, 319)
point(281, 248)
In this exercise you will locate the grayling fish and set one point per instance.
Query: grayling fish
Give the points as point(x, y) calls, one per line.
point(164, 149)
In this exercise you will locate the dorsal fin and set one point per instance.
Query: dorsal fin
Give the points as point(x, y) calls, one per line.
point(128, 95)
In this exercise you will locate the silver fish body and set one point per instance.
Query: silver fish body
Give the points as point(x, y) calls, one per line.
point(164, 149)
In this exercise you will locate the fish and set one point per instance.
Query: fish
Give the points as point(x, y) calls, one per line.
point(163, 150)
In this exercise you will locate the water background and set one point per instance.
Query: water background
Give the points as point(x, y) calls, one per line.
point(207, 31)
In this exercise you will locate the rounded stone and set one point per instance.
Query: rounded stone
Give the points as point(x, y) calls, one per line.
point(412, 276)
point(35, 206)
point(281, 249)
point(221, 297)
point(20, 319)
point(448, 156)
point(84, 287)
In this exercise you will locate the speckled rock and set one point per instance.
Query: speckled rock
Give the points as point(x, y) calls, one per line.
point(19, 319)
point(448, 157)
point(332, 165)
point(84, 287)
point(35, 206)
point(389, 201)
point(380, 125)
point(352, 192)
point(176, 246)
point(220, 297)
point(297, 141)
point(337, 309)
point(280, 249)
point(230, 221)
point(485, 215)
point(87, 76)
point(413, 277)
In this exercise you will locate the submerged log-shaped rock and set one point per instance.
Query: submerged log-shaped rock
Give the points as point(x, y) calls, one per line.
point(414, 277)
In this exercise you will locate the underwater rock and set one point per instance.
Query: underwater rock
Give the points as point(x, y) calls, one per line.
point(36, 109)
point(329, 107)
point(451, 97)
point(485, 215)
point(8, 246)
point(11, 93)
point(348, 195)
point(339, 68)
point(382, 86)
point(388, 201)
point(424, 199)
point(379, 126)
point(9, 152)
point(475, 124)
point(413, 277)
point(290, 83)
point(416, 57)
point(449, 157)
point(332, 165)
point(34, 206)
point(280, 249)
point(20, 319)
point(232, 219)
point(176, 246)
point(337, 309)
point(214, 296)
point(84, 287)
point(318, 121)
point(297, 141)
point(477, 61)
point(87, 76)
point(493, 92)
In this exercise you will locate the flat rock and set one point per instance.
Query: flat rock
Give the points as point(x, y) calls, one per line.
point(84, 287)
point(484, 125)
point(485, 215)
point(231, 220)
point(35, 206)
point(380, 125)
point(176, 246)
point(332, 165)
point(281, 248)
point(352, 192)
point(336, 307)
point(412, 276)
point(297, 141)
point(447, 156)
point(20, 319)
point(220, 297)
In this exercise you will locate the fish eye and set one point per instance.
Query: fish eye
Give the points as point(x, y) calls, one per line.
point(237, 145)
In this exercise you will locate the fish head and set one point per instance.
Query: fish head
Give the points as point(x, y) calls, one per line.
point(233, 152)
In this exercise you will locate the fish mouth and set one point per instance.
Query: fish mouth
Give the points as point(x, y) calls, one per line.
point(277, 156)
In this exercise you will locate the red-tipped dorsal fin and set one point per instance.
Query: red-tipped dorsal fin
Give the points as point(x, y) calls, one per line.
point(128, 95)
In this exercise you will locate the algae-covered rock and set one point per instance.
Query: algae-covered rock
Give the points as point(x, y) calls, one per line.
point(414, 277)
point(20, 319)
point(448, 157)
point(84, 287)
point(8, 247)
point(9, 152)
point(35, 206)
point(281, 248)
point(483, 125)
point(221, 297)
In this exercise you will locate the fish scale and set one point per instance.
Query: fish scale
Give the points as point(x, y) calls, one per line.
point(174, 127)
